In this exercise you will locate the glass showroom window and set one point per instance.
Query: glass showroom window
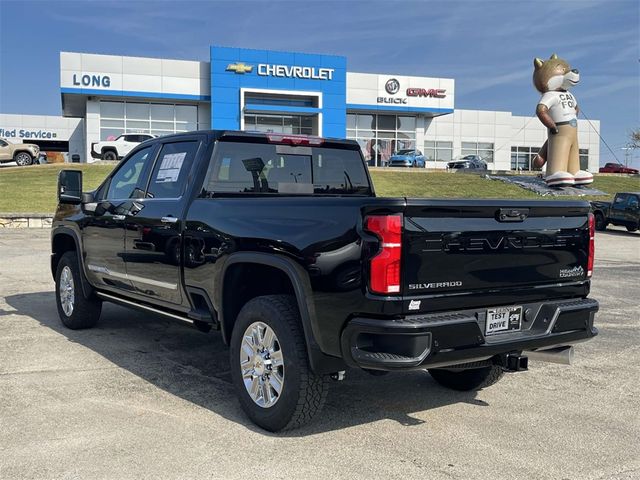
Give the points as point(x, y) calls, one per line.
point(117, 118)
point(522, 158)
point(294, 124)
point(380, 136)
point(437, 151)
point(483, 150)
point(584, 158)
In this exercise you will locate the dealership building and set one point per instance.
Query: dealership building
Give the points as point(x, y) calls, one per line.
point(103, 96)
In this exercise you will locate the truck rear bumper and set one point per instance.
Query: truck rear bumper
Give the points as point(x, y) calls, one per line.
point(450, 338)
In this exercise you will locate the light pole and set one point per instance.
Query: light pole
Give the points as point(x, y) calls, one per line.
point(626, 155)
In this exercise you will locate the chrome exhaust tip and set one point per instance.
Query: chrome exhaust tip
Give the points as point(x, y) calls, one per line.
point(560, 355)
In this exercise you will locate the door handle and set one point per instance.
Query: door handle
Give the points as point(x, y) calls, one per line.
point(169, 219)
point(118, 217)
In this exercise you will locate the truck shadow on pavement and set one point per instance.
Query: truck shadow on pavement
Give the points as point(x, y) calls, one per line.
point(617, 233)
point(195, 366)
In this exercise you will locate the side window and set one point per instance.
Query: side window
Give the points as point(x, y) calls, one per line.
point(171, 169)
point(3, 143)
point(620, 201)
point(129, 180)
point(633, 201)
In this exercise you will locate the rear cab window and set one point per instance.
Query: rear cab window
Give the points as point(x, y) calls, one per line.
point(264, 168)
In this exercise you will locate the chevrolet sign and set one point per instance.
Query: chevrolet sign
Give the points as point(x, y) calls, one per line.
point(239, 67)
point(310, 73)
point(286, 71)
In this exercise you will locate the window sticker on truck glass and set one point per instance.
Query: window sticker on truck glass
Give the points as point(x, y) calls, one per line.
point(170, 167)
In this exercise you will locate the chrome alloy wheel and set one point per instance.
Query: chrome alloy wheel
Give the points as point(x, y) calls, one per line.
point(262, 364)
point(23, 159)
point(67, 291)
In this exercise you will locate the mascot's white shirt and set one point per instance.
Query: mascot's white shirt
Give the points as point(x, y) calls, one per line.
point(561, 105)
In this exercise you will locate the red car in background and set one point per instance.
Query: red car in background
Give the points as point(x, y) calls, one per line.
point(617, 168)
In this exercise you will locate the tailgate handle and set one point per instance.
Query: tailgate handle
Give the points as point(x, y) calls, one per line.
point(512, 214)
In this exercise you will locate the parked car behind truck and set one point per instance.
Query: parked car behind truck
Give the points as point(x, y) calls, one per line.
point(624, 211)
point(279, 242)
point(468, 163)
point(407, 158)
point(119, 147)
point(22, 153)
point(618, 168)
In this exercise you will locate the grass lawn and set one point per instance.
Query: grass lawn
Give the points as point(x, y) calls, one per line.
point(33, 189)
point(456, 185)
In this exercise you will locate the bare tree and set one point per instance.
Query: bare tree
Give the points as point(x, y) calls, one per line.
point(632, 144)
point(634, 138)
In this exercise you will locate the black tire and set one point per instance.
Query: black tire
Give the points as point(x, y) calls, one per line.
point(23, 159)
point(632, 229)
point(303, 392)
point(109, 155)
point(470, 379)
point(601, 222)
point(84, 312)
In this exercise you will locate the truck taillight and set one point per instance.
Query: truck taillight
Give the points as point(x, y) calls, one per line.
point(592, 244)
point(385, 266)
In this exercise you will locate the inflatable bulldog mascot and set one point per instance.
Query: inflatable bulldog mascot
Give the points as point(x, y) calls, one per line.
point(558, 110)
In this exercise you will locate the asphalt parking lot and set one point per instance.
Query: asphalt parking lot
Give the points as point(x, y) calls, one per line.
point(143, 397)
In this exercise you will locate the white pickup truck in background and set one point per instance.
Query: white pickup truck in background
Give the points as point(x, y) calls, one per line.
point(120, 147)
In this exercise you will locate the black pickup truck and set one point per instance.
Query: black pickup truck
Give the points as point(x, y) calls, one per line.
point(624, 212)
point(279, 242)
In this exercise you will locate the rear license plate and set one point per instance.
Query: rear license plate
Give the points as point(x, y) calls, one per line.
point(503, 319)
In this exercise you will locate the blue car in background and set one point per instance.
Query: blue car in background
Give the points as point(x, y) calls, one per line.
point(407, 158)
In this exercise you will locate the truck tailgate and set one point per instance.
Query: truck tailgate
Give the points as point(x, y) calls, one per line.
point(457, 248)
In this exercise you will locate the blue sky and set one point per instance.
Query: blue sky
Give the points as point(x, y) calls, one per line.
point(487, 46)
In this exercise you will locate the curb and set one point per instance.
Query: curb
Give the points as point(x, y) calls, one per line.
point(25, 220)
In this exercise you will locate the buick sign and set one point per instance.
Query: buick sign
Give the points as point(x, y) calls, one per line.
point(392, 86)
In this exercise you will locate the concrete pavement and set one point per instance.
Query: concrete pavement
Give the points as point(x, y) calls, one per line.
point(142, 397)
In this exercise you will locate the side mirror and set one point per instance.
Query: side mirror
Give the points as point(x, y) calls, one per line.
point(70, 187)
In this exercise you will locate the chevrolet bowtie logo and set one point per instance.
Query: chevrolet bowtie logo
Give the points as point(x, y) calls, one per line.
point(239, 67)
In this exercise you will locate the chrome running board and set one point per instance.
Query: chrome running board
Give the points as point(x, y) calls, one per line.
point(130, 303)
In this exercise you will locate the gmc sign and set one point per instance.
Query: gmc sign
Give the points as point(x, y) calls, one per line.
point(426, 92)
